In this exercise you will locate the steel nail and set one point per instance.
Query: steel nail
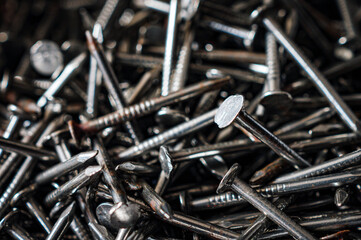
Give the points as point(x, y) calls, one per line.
point(231, 109)
point(315, 75)
point(272, 94)
point(175, 132)
point(167, 167)
point(330, 166)
point(230, 180)
point(142, 108)
point(83, 179)
point(169, 46)
point(83, 159)
point(315, 183)
point(63, 222)
point(70, 70)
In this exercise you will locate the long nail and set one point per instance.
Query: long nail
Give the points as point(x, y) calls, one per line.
point(143, 108)
point(315, 183)
point(175, 132)
point(110, 175)
point(62, 223)
point(272, 94)
point(263, 205)
point(110, 79)
point(159, 206)
point(169, 47)
point(232, 109)
point(70, 70)
point(312, 119)
point(330, 166)
point(315, 75)
point(26, 150)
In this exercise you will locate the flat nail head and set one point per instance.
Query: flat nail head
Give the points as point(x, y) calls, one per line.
point(228, 111)
point(276, 100)
point(119, 215)
point(228, 179)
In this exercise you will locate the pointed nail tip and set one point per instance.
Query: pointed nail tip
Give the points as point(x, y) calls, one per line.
point(75, 132)
point(90, 154)
point(68, 210)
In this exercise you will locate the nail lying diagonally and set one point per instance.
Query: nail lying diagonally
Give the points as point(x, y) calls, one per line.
point(27, 150)
point(62, 223)
point(175, 132)
point(318, 116)
point(143, 108)
point(333, 165)
point(315, 75)
point(70, 69)
point(230, 180)
point(272, 95)
point(260, 224)
point(232, 109)
point(110, 80)
point(83, 179)
point(80, 160)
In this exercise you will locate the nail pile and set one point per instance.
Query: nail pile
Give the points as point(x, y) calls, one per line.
point(180, 119)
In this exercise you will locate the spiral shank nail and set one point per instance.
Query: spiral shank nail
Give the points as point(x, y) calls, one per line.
point(43, 84)
point(272, 59)
point(344, 162)
point(63, 191)
point(275, 189)
point(144, 61)
point(225, 199)
point(179, 76)
point(107, 12)
point(125, 114)
point(53, 196)
point(241, 33)
point(176, 132)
